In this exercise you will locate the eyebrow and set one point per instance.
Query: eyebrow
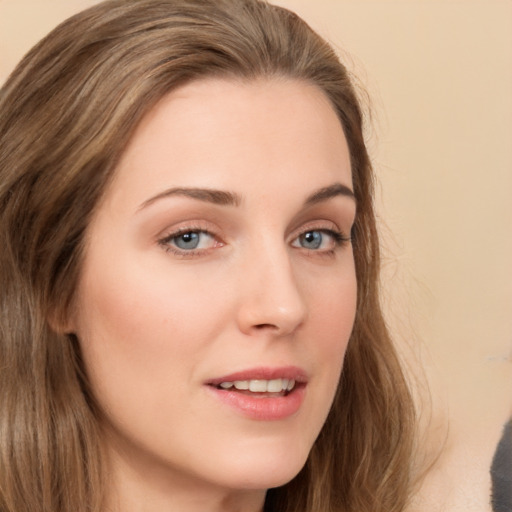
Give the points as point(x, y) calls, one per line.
point(325, 193)
point(225, 198)
point(219, 197)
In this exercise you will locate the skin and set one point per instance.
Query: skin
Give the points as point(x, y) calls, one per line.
point(156, 322)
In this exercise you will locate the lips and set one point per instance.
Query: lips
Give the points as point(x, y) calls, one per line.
point(262, 393)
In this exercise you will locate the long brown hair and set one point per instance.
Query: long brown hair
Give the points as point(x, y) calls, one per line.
point(67, 113)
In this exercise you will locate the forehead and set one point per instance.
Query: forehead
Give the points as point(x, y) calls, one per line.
point(222, 133)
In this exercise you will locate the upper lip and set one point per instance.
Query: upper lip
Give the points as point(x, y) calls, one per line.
point(263, 373)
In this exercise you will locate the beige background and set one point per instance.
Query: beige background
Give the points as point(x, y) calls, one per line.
point(440, 77)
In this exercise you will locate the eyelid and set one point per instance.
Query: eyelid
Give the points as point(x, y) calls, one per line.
point(186, 226)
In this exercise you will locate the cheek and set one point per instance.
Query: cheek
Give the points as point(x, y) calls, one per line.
point(136, 330)
point(332, 310)
point(331, 319)
point(336, 319)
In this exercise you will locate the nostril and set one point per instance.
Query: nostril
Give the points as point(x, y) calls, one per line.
point(266, 326)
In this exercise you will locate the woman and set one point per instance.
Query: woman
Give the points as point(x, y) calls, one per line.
point(189, 266)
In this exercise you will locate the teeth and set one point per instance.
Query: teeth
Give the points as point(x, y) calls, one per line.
point(261, 386)
point(258, 386)
point(275, 386)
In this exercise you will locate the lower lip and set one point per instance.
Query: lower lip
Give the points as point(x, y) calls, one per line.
point(260, 407)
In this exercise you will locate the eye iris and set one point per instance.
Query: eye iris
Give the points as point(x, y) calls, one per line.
point(311, 240)
point(188, 240)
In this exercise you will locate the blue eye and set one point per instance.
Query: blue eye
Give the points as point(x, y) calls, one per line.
point(311, 239)
point(320, 240)
point(188, 241)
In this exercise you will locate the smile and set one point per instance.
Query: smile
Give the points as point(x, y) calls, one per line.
point(262, 394)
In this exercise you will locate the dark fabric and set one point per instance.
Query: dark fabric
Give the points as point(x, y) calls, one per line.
point(501, 472)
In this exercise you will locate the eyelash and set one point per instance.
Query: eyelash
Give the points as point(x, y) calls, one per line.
point(339, 238)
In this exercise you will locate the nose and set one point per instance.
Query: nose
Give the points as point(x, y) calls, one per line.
point(270, 297)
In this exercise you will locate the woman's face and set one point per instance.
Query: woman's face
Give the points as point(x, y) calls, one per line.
point(219, 260)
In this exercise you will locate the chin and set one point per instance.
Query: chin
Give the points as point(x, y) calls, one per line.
point(268, 478)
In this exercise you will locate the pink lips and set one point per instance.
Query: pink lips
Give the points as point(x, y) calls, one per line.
point(262, 406)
